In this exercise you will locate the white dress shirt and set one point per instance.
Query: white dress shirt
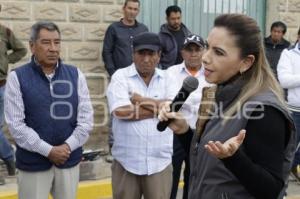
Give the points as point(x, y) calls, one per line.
point(191, 105)
point(138, 146)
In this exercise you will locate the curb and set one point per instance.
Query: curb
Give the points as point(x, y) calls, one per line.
point(100, 189)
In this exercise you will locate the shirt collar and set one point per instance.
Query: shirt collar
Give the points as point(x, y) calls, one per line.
point(38, 64)
point(133, 72)
point(124, 25)
point(185, 70)
point(39, 68)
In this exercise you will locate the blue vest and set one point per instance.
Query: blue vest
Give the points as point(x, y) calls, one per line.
point(50, 110)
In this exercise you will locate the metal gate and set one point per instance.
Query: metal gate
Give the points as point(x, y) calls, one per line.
point(199, 15)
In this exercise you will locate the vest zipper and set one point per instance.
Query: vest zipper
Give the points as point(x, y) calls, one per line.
point(51, 86)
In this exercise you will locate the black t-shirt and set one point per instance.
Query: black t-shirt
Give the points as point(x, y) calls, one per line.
point(179, 36)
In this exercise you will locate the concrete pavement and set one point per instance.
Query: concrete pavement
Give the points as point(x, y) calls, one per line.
point(101, 188)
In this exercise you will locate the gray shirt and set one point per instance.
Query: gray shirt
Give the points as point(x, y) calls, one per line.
point(117, 45)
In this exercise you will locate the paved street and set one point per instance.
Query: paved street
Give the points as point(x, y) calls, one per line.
point(293, 190)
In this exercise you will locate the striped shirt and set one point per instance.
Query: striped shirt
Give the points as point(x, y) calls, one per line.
point(26, 137)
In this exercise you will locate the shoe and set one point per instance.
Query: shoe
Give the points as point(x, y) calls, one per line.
point(295, 174)
point(109, 159)
point(11, 167)
point(2, 180)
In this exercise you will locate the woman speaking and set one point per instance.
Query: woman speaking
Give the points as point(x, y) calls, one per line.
point(244, 140)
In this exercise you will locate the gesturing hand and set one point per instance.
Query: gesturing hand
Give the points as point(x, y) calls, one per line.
point(228, 148)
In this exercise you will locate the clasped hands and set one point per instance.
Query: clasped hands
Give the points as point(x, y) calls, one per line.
point(215, 148)
point(59, 154)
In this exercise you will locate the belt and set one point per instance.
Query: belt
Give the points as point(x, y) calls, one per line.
point(2, 82)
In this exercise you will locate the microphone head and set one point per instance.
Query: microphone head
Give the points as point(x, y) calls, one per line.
point(190, 83)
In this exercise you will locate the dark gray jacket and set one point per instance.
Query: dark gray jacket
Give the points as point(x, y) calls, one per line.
point(169, 45)
point(117, 45)
point(210, 179)
point(273, 51)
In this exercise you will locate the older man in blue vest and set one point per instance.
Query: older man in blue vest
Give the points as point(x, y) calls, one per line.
point(49, 114)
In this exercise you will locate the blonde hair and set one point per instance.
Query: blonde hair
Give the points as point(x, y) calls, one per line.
point(259, 77)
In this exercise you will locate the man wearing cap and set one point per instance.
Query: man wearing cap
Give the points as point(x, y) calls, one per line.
point(8, 41)
point(117, 45)
point(192, 51)
point(142, 155)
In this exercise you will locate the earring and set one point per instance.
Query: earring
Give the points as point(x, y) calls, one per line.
point(241, 72)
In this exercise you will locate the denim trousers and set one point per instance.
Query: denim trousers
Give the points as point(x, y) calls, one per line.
point(6, 151)
point(296, 117)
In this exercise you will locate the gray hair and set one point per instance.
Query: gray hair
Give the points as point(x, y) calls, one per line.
point(38, 26)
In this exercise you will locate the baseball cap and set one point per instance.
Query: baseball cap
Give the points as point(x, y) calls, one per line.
point(195, 39)
point(146, 41)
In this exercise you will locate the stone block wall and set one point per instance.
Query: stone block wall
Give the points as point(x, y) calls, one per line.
point(83, 24)
point(287, 11)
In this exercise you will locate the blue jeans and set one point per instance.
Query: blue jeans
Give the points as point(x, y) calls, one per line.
point(6, 151)
point(296, 117)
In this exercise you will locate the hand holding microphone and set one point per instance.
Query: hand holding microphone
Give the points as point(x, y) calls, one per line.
point(178, 124)
point(189, 85)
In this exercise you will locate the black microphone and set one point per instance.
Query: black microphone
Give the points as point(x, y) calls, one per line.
point(190, 84)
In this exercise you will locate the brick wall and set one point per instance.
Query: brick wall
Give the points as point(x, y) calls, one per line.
point(83, 24)
point(287, 11)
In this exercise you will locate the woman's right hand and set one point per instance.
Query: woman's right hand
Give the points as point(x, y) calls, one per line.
point(178, 123)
